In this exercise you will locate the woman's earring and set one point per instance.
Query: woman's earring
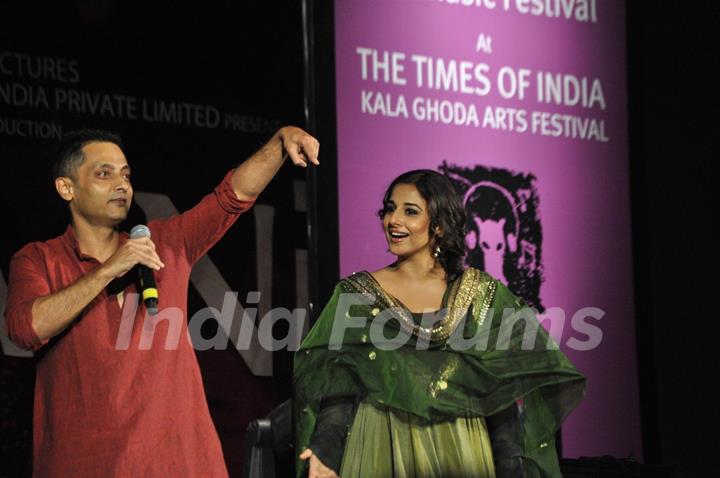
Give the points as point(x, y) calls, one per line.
point(436, 253)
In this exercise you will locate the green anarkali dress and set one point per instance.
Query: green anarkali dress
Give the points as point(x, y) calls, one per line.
point(425, 390)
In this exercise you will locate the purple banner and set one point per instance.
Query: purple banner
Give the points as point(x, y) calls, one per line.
point(522, 103)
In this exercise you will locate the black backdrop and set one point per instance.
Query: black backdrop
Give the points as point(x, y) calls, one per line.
point(674, 66)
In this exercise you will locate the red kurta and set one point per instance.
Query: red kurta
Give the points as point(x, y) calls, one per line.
point(100, 411)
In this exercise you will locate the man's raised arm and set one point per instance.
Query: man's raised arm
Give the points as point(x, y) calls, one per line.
point(254, 174)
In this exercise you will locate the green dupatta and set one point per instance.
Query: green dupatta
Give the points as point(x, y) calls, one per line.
point(429, 376)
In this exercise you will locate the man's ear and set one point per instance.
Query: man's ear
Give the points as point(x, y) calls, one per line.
point(64, 187)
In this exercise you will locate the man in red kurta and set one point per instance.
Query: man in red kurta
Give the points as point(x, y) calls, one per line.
point(100, 409)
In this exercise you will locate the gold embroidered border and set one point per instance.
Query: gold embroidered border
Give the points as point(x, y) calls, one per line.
point(483, 306)
point(462, 294)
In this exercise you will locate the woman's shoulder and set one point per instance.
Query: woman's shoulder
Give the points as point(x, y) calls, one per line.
point(375, 277)
point(471, 273)
point(357, 280)
point(479, 284)
point(497, 290)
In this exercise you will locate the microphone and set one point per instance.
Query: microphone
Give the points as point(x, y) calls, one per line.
point(147, 278)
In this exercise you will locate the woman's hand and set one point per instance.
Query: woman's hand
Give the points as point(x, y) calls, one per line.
point(317, 467)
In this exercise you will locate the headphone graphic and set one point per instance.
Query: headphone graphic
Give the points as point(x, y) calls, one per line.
point(513, 236)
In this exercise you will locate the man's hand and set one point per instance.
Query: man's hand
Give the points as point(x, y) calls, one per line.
point(300, 146)
point(317, 467)
point(133, 252)
point(51, 314)
point(251, 177)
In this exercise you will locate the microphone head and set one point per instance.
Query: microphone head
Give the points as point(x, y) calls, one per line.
point(141, 230)
point(152, 306)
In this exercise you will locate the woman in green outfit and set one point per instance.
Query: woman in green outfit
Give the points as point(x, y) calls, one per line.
point(417, 369)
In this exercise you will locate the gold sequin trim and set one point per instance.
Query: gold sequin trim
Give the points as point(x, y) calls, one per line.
point(483, 301)
point(462, 294)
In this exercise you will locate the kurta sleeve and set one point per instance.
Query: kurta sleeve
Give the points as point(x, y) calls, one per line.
point(28, 281)
point(323, 389)
point(333, 425)
point(198, 229)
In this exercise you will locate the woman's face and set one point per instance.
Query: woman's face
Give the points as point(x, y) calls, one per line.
point(406, 222)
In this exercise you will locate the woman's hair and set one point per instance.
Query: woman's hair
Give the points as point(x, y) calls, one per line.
point(445, 210)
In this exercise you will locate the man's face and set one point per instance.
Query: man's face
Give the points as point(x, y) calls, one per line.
point(101, 193)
